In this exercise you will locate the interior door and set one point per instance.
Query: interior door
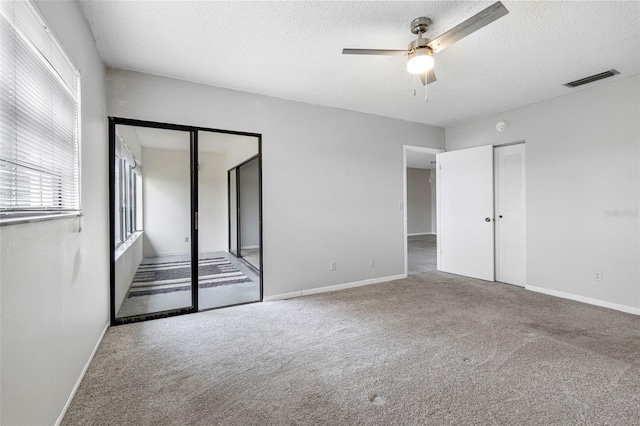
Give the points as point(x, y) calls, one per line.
point(466, 232)
point(510, 214)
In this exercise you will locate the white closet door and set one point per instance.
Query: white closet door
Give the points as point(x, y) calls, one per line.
point(510, 215)
point(465, 192)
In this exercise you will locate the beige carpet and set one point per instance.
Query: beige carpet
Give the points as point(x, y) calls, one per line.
point(431, 349)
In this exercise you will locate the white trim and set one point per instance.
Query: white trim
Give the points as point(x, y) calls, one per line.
point(84, 371)
point(405, 234)
point(336, 287)
point(205, 250)
point(584, 299)
point(420, 233)
point(172, 253)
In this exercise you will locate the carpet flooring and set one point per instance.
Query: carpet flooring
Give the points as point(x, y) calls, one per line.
point(431, 349)
point(422, 253)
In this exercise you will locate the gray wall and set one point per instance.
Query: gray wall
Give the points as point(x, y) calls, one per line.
point(332, 179)
point(583, 187)
point(54, 281)
point(418, 201)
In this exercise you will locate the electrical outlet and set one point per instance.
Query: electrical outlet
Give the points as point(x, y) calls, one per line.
point(186, 239)
point(333, 265)
point(372, 261)
point(597, 276)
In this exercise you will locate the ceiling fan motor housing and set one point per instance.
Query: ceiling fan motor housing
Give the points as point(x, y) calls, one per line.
point(420, 25)
point(419, 43)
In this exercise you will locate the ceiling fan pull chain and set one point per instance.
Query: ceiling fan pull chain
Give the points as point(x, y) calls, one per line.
point(414, 85)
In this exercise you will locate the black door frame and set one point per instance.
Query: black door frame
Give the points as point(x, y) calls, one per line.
point(193, 132)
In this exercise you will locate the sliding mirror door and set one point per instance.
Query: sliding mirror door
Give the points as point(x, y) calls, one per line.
point(151, 221)
point(232, 192)
point(223, 278)
point(248, 184)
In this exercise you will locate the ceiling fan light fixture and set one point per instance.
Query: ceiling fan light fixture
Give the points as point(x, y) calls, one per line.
point(420, 61)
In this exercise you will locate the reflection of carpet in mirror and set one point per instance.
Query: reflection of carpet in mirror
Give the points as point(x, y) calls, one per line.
point(157, 278)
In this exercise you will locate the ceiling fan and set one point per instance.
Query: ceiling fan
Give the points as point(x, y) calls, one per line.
point(420, 51)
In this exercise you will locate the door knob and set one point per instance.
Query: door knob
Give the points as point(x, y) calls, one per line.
point(486, 219)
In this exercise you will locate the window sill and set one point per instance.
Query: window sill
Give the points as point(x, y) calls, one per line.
point(122, 248)
point(4, 221)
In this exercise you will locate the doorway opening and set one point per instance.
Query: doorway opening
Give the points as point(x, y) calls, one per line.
point(169, 219)
point(420, 213)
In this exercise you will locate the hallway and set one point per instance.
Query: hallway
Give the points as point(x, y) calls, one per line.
point(422, 253)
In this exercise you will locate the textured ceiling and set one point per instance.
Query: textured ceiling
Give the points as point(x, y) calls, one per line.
point(292, 50)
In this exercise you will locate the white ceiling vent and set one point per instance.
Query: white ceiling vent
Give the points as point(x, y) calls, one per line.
point(592, 78)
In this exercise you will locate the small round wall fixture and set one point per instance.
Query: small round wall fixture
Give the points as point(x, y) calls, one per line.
point(501, 126)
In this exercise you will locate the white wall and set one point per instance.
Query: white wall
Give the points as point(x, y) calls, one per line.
point(418, 201)
point(167, 201)
point(213, 216)
point(332, 179)
point(54, 281)
point(582, 164)
point(249, 205)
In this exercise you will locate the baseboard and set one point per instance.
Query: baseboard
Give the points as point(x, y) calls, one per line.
point(336, 287)
point(170, 253)
point(584, 299)
point(205, 251)
point(84, 371)
point(420, 233)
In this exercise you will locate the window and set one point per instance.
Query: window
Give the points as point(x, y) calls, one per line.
point(39, 119)
point(128, 184)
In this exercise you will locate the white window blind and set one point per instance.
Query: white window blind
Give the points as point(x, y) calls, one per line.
point(39, 118)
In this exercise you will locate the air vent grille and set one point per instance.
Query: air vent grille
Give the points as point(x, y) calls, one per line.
point(592, 78)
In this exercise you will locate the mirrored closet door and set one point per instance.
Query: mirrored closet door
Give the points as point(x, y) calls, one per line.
point(151, 221)
point(176, 248)
point(225, 278)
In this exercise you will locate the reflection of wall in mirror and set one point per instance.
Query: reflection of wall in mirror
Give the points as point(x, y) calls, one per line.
point(240, 151)
point(167, 202)
point(129, 255)
point(128, 258)
point(249, 205)
point(212, 200)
